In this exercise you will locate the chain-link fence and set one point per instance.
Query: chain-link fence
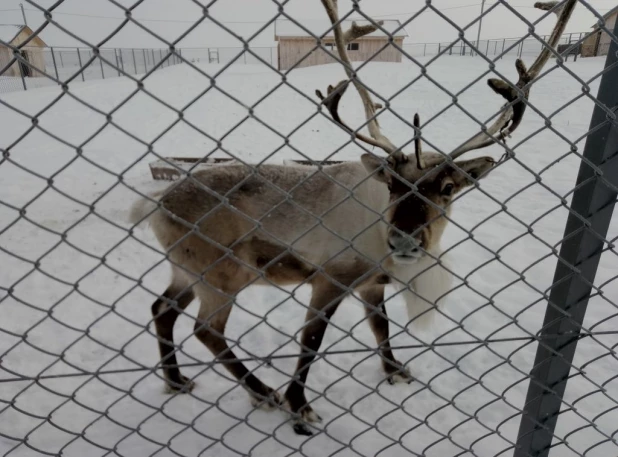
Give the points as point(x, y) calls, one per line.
point(42, 66)
point(503, 47)
point(65, 64)
point(270, 191)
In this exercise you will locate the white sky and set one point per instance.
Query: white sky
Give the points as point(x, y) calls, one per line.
point(171, 18)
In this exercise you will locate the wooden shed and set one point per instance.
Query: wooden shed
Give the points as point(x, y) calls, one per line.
point(33, 52)
point(597, 44)
point(298, 47)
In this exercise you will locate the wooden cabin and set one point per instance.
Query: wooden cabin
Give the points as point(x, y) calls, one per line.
point(597, 44)
point(299, 48)
point(32, 52)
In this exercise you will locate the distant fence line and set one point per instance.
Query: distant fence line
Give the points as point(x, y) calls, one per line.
point(77, 64)
point(489, 47)
point(49, 66)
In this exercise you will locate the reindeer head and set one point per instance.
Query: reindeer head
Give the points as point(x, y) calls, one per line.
point(420, 199)
point(422, 185)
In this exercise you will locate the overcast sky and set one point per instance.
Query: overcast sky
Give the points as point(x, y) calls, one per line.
point(94, 20)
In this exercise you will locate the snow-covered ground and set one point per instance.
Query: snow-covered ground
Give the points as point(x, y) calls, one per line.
point(69, 300)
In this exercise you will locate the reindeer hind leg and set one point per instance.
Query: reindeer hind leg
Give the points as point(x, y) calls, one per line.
point(209, 329)
point(165, 311)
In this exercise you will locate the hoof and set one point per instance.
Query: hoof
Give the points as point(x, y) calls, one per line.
point(307, 416)
point(401, 375)
point(302, 429)
point(272, 401)
point(184, 387)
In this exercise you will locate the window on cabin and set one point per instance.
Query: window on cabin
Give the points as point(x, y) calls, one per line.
point(353, 47)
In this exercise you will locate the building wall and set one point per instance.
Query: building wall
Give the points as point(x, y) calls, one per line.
point(294, 50)
point(606, 40)
point(589, 45)
point(598, 43)
point(33, 51)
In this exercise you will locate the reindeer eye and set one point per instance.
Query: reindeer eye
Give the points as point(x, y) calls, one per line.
point(447, 190)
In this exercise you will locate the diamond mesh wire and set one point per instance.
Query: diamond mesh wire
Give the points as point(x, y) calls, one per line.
point(79, 370)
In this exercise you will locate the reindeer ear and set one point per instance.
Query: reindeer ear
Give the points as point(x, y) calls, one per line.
point(377, 167)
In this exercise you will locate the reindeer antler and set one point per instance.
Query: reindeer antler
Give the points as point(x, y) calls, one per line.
point(515, 107)
point(331, 101)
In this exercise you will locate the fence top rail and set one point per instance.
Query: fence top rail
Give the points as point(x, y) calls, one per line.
point(494, 39)
point(274, 46)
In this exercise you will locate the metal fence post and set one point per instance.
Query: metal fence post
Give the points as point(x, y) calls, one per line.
point(61, 61)
point(153, 58)
point(21, 71)
point(79, 59)
point(580, 253)
point(54, 60)
point(117, 64)
point(134, 62)
point(101, 63)
point(161, 58)
point(121, 59)
point(424, 49)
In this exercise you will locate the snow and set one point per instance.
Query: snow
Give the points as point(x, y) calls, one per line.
point(71, 302)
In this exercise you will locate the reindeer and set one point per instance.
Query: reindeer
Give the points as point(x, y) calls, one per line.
point(345, 228)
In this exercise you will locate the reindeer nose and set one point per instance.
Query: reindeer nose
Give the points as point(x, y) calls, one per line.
point(405, 244)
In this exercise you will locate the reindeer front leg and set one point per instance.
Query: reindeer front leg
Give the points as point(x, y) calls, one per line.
point(325, 299)
point(373, 299)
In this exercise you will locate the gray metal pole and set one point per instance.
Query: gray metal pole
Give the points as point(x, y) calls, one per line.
point(79, 59)
point(424, 49)
point(161, 57)
point(23, 13)
point(586, 228)
point(153, 57)
point(145, 61)
point(134, 62)
point(117, 64)
point(61, 61)
point(478, 36)
point(121, 59)
point(54, 60)
point(101, 63)
point(21, 71)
